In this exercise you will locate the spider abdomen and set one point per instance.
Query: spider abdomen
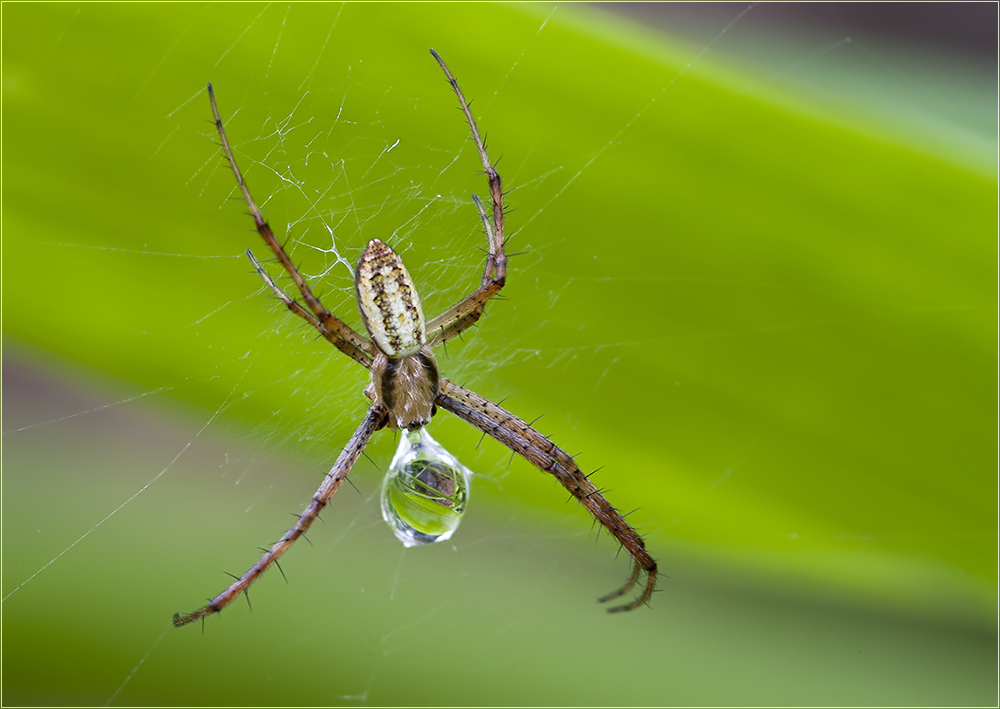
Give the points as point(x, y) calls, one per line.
point(388, 302)
point(406, 387)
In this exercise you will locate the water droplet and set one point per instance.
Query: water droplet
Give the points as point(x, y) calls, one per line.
point(425, 491)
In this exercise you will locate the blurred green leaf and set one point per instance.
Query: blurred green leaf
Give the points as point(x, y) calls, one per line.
point(774, 328)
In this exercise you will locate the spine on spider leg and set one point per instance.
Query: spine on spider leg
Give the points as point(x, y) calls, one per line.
point(538, 450)
point(373, 421)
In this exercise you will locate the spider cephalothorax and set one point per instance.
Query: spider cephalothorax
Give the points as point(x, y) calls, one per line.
point(404, 374)
point(423, 504)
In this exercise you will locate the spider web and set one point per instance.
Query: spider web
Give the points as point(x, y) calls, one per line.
point(341, 159)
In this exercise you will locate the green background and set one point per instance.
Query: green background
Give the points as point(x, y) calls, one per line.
point(770, 319)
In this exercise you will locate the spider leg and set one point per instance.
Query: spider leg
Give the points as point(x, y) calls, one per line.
point(636, 570)
point(538, 450)
point(294, 305)
point(465, 313)
point(333, 328)
point(375, 420)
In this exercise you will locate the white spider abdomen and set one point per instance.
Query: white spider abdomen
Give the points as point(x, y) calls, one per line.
point(388, 302)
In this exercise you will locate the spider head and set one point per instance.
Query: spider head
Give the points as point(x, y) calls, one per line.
point(406, 387)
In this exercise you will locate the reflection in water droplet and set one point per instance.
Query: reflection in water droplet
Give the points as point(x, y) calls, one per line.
point(425, 491)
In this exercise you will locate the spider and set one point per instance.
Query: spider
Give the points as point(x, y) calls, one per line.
point(406, 389)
